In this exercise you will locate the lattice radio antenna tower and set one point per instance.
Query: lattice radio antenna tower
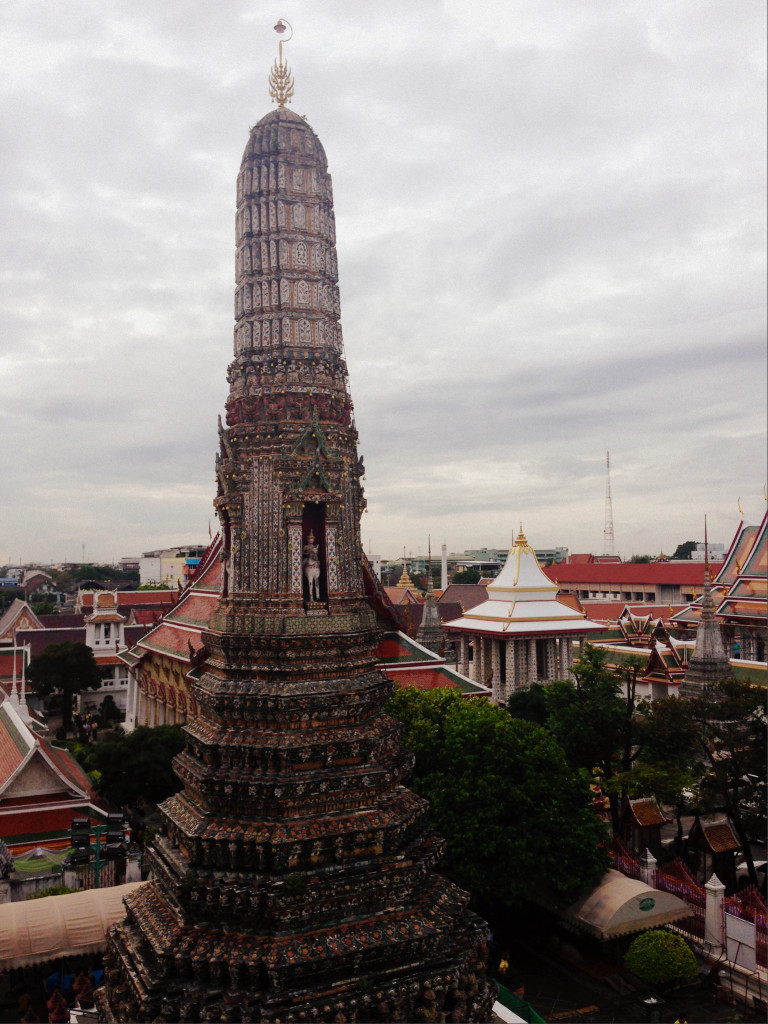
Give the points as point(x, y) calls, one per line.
point(608, 529)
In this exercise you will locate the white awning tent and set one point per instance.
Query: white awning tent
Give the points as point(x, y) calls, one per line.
point(35, 931)
point(621, 906)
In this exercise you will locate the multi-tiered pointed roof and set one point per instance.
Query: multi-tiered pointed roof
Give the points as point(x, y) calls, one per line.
point(293, 880)
point(709, 664)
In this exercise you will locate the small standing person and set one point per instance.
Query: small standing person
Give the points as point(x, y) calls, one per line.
point(310, 561)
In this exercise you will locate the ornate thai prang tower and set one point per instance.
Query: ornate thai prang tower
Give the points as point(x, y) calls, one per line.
point(293, 880)
point(709, 664)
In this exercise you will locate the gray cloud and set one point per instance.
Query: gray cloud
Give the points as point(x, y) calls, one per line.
point(551, 242)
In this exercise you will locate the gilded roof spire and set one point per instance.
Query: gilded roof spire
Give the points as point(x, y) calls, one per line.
point(280, 77)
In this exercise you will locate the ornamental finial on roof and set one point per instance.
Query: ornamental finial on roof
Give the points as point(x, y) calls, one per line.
point(280, 77)
point(520, 540)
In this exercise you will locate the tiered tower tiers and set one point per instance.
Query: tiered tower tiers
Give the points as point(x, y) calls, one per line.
point(293, 880)
point(709, 664)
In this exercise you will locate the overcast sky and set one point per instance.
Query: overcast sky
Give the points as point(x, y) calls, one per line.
point(551, 240)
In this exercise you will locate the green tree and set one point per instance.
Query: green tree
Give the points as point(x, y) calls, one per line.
point(593, 719)
point(43, 604)
point(9, 595)
point(90, 571)
point(530, 704)
point(466, 576)
point(685, 549)
point(667, 765)
point(513, 814)
point(68, 669)
point(731, 737)
point(661, 958)
point(137, 765)
point(590, 719)
point(641, 559)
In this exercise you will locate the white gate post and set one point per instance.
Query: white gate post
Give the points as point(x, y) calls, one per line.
point(648, 868)
point(713, 923)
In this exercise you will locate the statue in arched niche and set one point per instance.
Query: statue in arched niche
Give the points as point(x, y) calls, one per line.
point(310, 563)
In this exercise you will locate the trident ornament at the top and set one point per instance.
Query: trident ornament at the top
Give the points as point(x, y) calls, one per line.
point(280, 77)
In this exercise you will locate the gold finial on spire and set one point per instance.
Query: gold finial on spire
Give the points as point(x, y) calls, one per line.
point(738, 502)
point(280, 77)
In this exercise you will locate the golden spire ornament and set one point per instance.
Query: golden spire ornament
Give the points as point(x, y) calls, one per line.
point(280, 77)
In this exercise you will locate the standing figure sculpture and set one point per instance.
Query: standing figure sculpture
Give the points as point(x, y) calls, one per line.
point(310, 562)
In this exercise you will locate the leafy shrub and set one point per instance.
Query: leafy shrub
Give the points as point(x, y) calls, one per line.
point(52, 890)
point(660, 957)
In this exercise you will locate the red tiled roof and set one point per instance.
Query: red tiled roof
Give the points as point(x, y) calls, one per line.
point(145, 616)
point(62, 621)
point(39, 639)
point(720, 837)
point(738, 553)
point(69, 767)
point(609, 611)
point(389, 648)
point(7, 659)
point(449, 610)
point(173, 640)
point(757, 563)
point(13, 748)
point(646, 812)
point(400, 595)
point(196, 609)
point(466, 594)
point(421, 678)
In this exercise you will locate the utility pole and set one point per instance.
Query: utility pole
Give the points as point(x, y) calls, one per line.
point(608, 547)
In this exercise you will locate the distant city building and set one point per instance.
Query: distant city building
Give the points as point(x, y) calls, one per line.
point(716, 552)
point(169, 567)
point(107, 621)
point(649, 582)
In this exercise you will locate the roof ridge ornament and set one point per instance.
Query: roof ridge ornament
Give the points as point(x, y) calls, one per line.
point(280, 77)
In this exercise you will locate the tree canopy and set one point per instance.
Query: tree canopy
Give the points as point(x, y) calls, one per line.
point(668, 765)
point(466, 576)
point(137, 764)
point(685, 549)
point(730, 735)
point(591, 719)
point(67, 668)
point(515, 817)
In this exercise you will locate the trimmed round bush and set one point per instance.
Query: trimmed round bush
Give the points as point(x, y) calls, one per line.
point(660, 957)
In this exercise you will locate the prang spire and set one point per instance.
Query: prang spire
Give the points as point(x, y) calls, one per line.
point(709, 664)
point(280, 78)
point(293, 879)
